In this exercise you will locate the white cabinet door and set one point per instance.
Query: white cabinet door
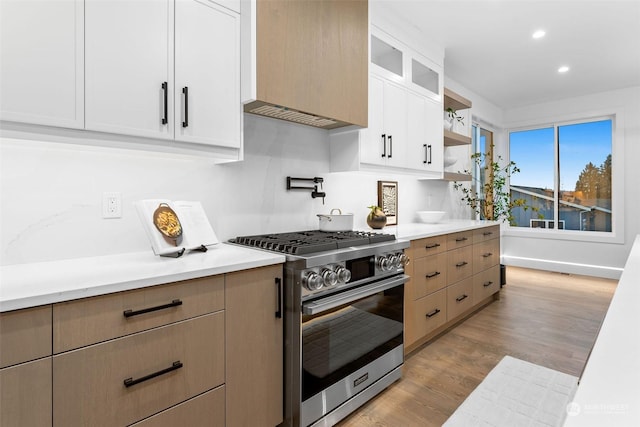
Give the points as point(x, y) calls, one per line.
point(129, 56)
point(372, 142)
point(207, 89)
point(41, 71)
point(384, 141)
point(424, 133)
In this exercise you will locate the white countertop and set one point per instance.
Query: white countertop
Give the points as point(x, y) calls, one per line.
point(29, 285)
point(420, 230)
point(609, 389)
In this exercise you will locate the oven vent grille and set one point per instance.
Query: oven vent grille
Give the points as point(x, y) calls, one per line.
point(284, 113)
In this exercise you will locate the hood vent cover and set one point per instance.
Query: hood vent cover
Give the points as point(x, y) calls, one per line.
point(284, 113)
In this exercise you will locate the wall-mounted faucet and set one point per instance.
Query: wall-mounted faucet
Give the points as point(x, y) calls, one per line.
point(314, 190)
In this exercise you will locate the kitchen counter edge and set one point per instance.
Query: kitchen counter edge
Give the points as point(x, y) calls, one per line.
point(414, 231)
point(31, 285)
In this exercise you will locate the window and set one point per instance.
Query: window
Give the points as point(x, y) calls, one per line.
point(482, 141)
point(565, 176)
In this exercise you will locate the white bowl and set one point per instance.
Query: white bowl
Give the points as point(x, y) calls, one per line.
point(430, 217)
point(449, 160)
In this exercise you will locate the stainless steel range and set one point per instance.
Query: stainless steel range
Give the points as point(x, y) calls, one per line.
point(343, 296)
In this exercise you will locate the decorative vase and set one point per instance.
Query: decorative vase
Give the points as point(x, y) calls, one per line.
point(448, 124)
point(376, 218)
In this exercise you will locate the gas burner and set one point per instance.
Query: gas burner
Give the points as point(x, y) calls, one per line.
point(308, 242)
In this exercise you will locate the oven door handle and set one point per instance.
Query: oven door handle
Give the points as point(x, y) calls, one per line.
point(333, 301)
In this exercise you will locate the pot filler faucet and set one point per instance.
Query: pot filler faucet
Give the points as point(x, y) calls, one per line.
point(314, 190)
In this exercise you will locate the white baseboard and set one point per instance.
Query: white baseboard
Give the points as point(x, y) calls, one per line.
point(563, 267)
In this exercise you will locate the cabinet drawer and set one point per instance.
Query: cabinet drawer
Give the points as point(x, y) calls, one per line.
point(458, 240)
point(459, 264)
point(89, 384)
point(25, 335)
point(459, 298)
point(206, 410)
point(486, 283)
point(429, 246)
point(25, 394)
point(486, 233)
point(485, 255)
point(92, 320)
point(430, 275)
point(427, 314)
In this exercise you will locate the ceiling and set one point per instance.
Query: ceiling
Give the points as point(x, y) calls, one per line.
point(489, 47)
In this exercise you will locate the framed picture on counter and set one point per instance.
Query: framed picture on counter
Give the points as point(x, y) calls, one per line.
point(388, 200)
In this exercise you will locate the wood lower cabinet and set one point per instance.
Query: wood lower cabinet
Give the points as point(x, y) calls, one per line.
point(254, 365)
point(25, 335)
point(451, 275)
point(25, 394)
point(127, 379)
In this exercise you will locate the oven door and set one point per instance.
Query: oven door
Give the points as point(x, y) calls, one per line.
point(350, 340)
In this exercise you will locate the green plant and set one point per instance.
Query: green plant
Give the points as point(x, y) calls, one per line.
point(453, 115)
point(495, 202)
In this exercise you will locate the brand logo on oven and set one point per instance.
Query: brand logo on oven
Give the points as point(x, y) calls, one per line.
point(360, 380)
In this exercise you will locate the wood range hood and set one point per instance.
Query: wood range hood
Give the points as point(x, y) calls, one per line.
point(306, 61)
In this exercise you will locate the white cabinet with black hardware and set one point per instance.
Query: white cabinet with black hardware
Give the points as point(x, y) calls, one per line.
point(425, 150)
point(133, 49)
point(41, 71)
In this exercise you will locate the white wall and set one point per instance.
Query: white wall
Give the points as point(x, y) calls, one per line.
point(51, 192)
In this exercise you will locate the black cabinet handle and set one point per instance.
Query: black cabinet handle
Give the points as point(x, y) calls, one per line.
point(487, 255)
point(462, 264)
point(279, 296)
point(165, 90)
point(130, 381)
point(487, 233)
point(384, 145)
point(434, 245)
point(430, 156)
point(434, 274)
point(390, 146)
point(461, 239)
point(425, 154)
point(487, 284)
point(130, 313)
point(433, 313)
point(185, 91)
point(462, 297)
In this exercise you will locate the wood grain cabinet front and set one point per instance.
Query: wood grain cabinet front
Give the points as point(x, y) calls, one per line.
point(486, 254)
point(486, 283)
point(459, 264)
point(486, 233)
point(429, 275)
point(127, 379)
point(91, 320)
point(460, 239)
point(25, 335)
point(25, 394)
point(427, 314)
point(429, 246)
point(459, 298)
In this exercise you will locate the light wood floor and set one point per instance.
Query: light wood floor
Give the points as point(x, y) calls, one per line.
point(550, 319)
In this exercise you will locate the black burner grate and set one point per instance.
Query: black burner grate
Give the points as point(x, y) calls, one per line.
point(308, 242)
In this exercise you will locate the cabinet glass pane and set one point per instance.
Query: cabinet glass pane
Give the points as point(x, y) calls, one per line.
point(386, 56)
point(425, 77)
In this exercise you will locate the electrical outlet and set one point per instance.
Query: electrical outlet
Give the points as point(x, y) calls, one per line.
point(111, 205)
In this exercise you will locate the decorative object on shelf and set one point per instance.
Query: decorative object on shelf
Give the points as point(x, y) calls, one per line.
point(449, 160)
point(376, 218)
point(388, 200)
point(314, 190)
point(493, 202)
point(452, 118)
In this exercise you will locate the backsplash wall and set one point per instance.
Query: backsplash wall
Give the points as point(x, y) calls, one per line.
point(52, 192)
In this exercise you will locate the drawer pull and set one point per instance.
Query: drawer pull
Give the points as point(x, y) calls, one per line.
point(434, 245)
point(279, 298)
point(462, 264)
point(461, 239)
point(487, 255)
point(130, 381)
point(487, 284)
point(433, 313)
point(462, 297)
point(434, 274)
point(487, 233)
point(174, 303)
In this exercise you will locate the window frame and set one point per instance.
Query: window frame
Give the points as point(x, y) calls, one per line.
point(616, 235)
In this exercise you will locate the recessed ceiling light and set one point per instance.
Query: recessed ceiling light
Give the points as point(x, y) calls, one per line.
point(538, 34)
point(563, 69)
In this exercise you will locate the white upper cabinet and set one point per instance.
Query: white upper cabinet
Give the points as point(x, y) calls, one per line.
point(129, 61)
point(41, 71)
point(425, 131)
point(207, 79)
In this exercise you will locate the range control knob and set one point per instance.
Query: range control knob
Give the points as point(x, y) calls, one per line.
point(312, 281)
point(395, 261)
point(343, 274)
point(329, 277)
point(404, 260)
point(385, 263)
